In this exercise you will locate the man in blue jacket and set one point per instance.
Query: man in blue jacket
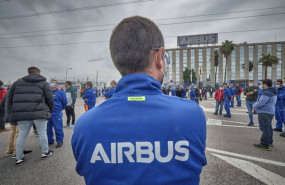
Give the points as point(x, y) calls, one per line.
point(192, 93)
point(110, 93)
point(227, 100)
point(140, 136)
point(279, 107)
point(89, 96)
point(55, 122)
point(265, 109)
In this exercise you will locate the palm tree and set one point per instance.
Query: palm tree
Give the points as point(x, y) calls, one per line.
point(268, 60)
point(227, 49)
point(250, 66)
point(216, 63)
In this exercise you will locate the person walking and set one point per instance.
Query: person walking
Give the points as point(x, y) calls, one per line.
point(89, 97)
point(265, 109)
point(227, 99)
point(55, 122)
point(251, 96)
point(205, 93)
point(238, 94)
point(30, 101)
point(197, 94)
point(233, 92)
point(280, 106)
point(219, 97)
point(211, 92)
point(142, 134)
point(110, 93)
point(71, 100)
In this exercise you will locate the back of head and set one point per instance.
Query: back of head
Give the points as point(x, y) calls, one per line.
point(268, 82)
point(131, 43)
point(90, 84)
point(1, 83)
point(34, 71)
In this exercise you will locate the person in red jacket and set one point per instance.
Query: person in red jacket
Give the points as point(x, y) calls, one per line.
point(219, 97)
point(3, 91)
point(238, 93)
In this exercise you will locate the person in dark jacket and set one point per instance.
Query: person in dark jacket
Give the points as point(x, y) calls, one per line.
point(55, 122)
point(280, 107)
point(265, 109)
point(89, 97)
point(251, 93)
point(227, 100)
point(179, 92)
point(30, 101)
point(192, 93)
point(71, 99)
point(140, 136)
point(197, 94)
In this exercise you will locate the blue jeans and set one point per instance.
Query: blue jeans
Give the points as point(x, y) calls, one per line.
point(24, 130)
point(219, 104)
point(56, 123)
point(250, 108)
point(227, 107)
point(265, 126)
point(197, 100)
point(279, 116)
point(238, 100)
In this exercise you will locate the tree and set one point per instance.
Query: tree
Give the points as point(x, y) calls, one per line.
point(216, 63)
point(268, 60)
point(250, 66)
point(186, 75)
point(194, 78)
point(227, 49)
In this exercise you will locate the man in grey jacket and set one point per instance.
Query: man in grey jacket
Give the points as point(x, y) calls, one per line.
point(265, 108)
point(30, 101)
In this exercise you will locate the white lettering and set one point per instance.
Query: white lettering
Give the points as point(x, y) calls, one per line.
point(99, 150)
point(128, 153)
point(113, 153)
point(185, 151)
point(140, 151)
point(158, 153)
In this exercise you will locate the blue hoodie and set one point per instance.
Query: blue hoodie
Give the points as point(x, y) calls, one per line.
point(110, 93)
point(266, 102)
point(233, 90)
point(90, 97)
point(281, 97)
point(227, 94)
point(192, 94)
point(141, 137)
point(60, 101)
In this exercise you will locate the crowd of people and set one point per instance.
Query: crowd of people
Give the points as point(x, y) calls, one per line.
point(33, 102)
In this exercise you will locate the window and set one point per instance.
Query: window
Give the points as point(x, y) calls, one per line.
point(241, 54)
point(259, 55)
point(200, 64)
point(279, 56)
point(177, 66)
point(233, 57)
point(184, 59)
point(208, 64)
point(170, 66)
point(269, 69)
point(250, 59)
point(192, 59)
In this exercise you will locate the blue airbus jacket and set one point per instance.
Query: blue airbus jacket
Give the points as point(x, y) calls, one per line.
point(141, 137)
point(266, 102)
point(89, 97)
point(110, 93)
point(233, 90)
point(173, 93)
point(227, 94)
point(281, 97)
point(60, 101)
point(260, 91)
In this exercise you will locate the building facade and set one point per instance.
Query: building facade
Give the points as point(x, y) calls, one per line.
point(203, 59)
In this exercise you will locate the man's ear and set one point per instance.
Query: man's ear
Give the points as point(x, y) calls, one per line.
point(159, 60)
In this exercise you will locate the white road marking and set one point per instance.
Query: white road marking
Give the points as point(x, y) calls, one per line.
point(247, 157)
point(254, 170)
point(218, 122)
point(234, 122)
point(214, 122)
point(236, 126)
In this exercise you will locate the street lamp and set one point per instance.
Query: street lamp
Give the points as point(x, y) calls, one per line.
point(66, 72)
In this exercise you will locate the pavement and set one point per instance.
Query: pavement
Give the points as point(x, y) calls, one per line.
point(232, 159)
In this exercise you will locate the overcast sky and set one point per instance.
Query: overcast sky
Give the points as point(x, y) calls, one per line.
point(16, 16)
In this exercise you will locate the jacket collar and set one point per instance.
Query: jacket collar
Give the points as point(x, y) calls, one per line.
point(137, 84)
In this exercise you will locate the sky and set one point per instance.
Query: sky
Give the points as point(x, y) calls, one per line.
point(58, 35)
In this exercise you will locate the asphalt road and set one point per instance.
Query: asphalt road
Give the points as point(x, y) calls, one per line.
point(232, 159)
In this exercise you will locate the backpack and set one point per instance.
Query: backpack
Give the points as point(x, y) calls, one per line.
point(69, 98)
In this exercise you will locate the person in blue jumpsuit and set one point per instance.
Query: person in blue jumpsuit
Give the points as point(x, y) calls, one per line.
point(205, 93)
point(279, 107)
point(233, 92)
point(192, 93)
point(227, 100)
point(55, 122)
point(260, 91)
point(103, 91)
point(140, 136)
point(89, 96)
point(173, 92)
point(110, 93)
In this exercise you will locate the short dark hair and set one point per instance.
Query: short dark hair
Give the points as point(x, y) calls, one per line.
point(1, 83)
point(54, 80)
point(69, 83)
point(279, 80)
point(251, 80)
point(33, 70)
point(268, 82)
point(89, 83)
point(131, 43)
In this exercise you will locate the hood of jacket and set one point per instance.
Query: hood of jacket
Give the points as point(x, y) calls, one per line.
point(271, 91)
point(34, 78)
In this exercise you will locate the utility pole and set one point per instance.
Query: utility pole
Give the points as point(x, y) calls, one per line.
point(68, 68)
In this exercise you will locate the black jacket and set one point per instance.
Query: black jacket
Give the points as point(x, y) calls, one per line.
point(29, 98)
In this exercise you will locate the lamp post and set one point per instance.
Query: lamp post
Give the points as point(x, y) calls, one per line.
point(66, 72)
